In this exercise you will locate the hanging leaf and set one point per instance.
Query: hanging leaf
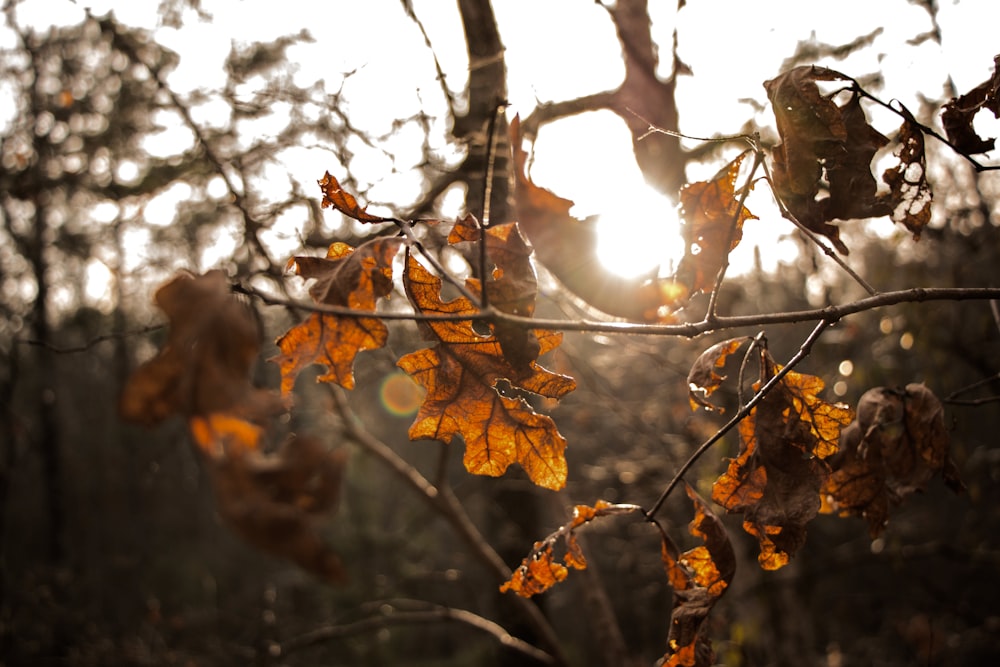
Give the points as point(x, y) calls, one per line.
point(539, 571)
point(276, 501)
point(474, 391)
point(958, 114)
point(699, 577)
point(712, 228)
point(910, 194)
point(343, 201)
point(346, 277)
point(704, 377)
point(776, 478)
point(895, 446)
point(204, 367)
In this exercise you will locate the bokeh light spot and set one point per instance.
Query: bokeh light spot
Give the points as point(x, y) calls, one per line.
point(400, 395)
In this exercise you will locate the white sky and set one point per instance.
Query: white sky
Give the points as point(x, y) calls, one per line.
point(558, 49)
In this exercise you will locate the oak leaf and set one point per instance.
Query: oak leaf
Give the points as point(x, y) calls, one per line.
point(958, 114)
point(276, 501)
point(203, 369)
point(348, 277)
point(472, 390)
point(910, 195)
point(705, 374)
point(699, 577)
point(343, 201)
point(776, 478)
point(820, 137)
point(712, 227)
point(895, 446)
point(539, 570)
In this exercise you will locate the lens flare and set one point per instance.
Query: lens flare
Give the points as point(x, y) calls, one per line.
point(400, 395)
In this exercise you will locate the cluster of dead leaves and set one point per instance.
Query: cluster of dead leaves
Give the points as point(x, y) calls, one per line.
point(276, 501)
point(800, 455)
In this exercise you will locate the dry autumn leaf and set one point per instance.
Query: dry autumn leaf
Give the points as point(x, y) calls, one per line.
point(343, 201)
point(958, 114)
point(539, 571)
point(910, 194)
point(275, 501)
point(474, 391)
point(776, 478)
point(203, 369)
point(893, 449)
point(713, 226)
point(348, 277)
point(705, 374)
point(699, 577)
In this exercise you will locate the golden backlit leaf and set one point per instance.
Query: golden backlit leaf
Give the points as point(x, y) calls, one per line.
point(712, 226)
point(536, 574)
point(472, 390)
point(348, 277)
point(204, 367)
point(539, 570)
point(699, 577)
point(705, 374)
point(776, 478)
point(897, 444)
point(276, 501)
point(343, 201)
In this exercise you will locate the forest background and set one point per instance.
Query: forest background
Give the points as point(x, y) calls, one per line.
point(128, 155)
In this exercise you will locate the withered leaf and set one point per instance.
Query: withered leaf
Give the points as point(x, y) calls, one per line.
point(567, 247)
point(539, 571)
point(474, 391)
point(776, 478)
point(705, 374)
point(958, 114)
point(204, 366)
point(820, 137)
point(275, 501)
point(699, 577)
point(353, 278)
point(895, 446)
point(910, 195)
point(712, 226)
point(511, 285)
point(343, 201)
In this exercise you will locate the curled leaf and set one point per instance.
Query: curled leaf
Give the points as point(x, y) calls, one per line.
point(910, 195)
point(895, 446)
point(958, 114)
point(343, 201)
point(705, 374)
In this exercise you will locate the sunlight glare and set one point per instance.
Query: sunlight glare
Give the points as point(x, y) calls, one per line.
point(641, 235)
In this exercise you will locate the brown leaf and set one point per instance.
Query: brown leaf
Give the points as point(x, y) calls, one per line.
point(474, 391)
point(343, 201)
point(539, 570)
point(776, 478)
point(820, 138)
point(274, 501)
point(713, 226)
point(567, 247)
point(346, 277)
point(958, 114)
point(893, 449)
point(204, 366)
point(699, 577)
point(910, 195)
point(704, 377)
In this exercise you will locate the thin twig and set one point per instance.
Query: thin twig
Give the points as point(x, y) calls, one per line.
point(90, 343)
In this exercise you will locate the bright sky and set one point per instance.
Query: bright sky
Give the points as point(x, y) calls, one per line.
point(559, 49)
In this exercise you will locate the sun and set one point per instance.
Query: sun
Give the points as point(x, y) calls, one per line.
point(641, 235)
